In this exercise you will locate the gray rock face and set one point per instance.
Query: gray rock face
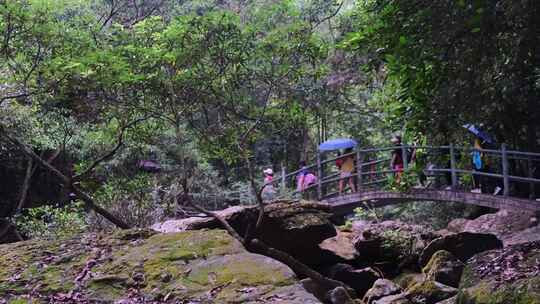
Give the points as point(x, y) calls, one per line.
point(507, 225)
point(381, 288)
point(503, 276)
point(361, 280)
point(452, 300)
point(444, 268)
point(340, 296)
point(395, 299)
point(406, 280)
point(341, 245)
point(462, 245)
point(430, 292)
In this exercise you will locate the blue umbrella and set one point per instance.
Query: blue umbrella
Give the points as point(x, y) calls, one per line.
point(336, 144)
point(479, 133)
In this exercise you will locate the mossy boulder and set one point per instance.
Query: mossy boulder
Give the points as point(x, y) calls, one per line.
point(361, 280)
point(509, 275)
point(296, 228)
point(407, 279)
point(381, 288)
point(462, 245)
point(392, 245)
point(430, 292)
point(444, 268)
point(204, 266)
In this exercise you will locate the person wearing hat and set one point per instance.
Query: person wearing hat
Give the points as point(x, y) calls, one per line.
point(268, 188)
point(396, 164)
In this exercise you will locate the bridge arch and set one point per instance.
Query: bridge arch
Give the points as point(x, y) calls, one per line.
point(342, 205)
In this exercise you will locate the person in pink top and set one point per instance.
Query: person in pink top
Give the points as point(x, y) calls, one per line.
point(304, 178)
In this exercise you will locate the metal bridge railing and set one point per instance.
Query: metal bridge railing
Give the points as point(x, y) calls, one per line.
point(371, 168)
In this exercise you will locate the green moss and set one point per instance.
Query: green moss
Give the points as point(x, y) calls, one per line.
point(241, 268)
point(468, 278)
point(27, 264)
point(18, 300)
point(522, 292)
point(108, 291)
point(437, 260)
point(189, 245)
point(133, 234)
point(407, 280)
point(432, 291)
point(185, 264)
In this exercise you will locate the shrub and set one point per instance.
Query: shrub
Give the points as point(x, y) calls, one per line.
point(135, 200)
point(49, 222)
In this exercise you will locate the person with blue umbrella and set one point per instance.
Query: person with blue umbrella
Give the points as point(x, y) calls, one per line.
point(337, 144)
point(346, 164)
point(479, 160)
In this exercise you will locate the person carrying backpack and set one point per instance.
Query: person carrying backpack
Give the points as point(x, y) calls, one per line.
point(478, 164)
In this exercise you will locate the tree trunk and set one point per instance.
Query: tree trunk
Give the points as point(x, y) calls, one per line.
point(25, 186)
point(67, 182)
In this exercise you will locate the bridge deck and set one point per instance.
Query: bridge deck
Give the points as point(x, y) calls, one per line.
point(345, 204)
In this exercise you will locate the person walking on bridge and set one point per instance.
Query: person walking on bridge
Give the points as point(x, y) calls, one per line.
point(346, 170)
point(396, 163)
point(479, 165)
point(305, 178)
point(268, 190)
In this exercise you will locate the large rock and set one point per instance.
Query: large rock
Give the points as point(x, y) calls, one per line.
point(504, 276)
point(407, 279)
point(341, 245)
point(457, 225)
point(393, 245)
point(524, 236)
point(8, 233)
point(296, 228)
point(381, 288)
point(506, 225)
point(444, 268)
point(339, 295)
point(401, 298)
point(206, 266)
point(452, 300)
point(361, 280)
point(329, 294)
point(430, 292)
point(462, 245)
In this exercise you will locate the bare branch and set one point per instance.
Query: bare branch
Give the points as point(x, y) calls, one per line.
point(329, 16)
point(119, 144)
point(221, 220)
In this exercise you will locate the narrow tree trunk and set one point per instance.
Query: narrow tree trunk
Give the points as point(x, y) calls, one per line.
point(25, 186)
point(66, 181)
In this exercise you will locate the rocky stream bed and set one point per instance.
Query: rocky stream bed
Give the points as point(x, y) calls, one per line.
point(494, 259)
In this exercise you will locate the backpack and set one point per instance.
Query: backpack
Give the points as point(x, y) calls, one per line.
point(477, 160)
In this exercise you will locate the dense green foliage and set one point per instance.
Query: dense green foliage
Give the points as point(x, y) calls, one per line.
point(457, 62)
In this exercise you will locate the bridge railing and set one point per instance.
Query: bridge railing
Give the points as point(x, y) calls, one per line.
point(372, 170)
